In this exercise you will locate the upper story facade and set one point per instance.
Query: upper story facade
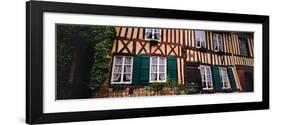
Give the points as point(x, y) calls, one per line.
point(195, 46)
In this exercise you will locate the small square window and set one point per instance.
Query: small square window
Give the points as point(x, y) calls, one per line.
point(152, 34)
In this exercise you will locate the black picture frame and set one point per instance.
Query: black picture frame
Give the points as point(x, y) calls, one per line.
point(34, 61)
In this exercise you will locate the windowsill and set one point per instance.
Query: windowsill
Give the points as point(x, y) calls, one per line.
point(202, 49)
point(151, 82)
point(120, 84)
point(219, 52)
point(153, 40)
point(208, 91)
point(226, 90)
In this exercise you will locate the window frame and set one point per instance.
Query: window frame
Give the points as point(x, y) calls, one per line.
point(202, 35)
point(153, 32)
point(122, 70)
point(222, 78)
point(157, 72)
point(243, 41)
point(205, 67)
point(219, 44)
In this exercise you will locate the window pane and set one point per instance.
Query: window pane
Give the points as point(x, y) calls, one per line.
point(209, 78)
point(117, 78)
point(198, 35)
point(215, 42)
point(118, 60)
point(210, 84)
point(220, 42)
point(208, 70)
point(157, 36)
point(153, 77)
point(243, 46)
point(203, 77)
point(148, 33)
point(154, 68)
point(128, 60)
point(157, 30)
point(161, 68)
point(127, 78)
point(204, 84)
point(154, 60)
point(225, 78)
point(203, 44)
point(127, 69)
point(161, 76)
point(117, 69)
point(200, 38)
point(202, 70)
point(148, 30)
point(161, 60)
point(225, 85)
point(198, 43)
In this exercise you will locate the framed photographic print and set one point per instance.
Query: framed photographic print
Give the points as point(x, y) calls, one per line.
point(95, 62)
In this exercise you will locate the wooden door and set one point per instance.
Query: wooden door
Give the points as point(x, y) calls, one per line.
point(248, 76)
point(245, 76)
point(242, 80)
point(192, 74)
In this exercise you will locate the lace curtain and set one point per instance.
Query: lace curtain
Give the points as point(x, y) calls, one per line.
point(122, 62)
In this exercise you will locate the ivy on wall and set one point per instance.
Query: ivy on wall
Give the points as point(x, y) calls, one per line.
point(100, 70)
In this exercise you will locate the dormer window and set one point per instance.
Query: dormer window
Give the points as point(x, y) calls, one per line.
point(152, 34)
point(200, 39)
point(217, 42)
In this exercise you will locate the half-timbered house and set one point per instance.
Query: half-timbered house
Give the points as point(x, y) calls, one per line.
point(218, 61)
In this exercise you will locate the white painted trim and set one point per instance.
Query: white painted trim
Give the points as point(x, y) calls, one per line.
point(202, 32)
point(206, 77)
point(165, 66)
point(122, 70)
point(218, 43)
point(153, 32)
point(222, 77)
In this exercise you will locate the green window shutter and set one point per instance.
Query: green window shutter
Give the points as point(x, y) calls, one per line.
point(136, 70)
point(216, 78)
point(172, 67)
point(231, 78)
point(144, 70)
point(141, 70)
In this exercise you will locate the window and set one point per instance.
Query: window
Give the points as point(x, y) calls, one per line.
point(206, 77)
point(157, 69)
point(243, 46)
point(224, 78)
point(152, 34)
point(218, 43)
point(122, 70)
point(200, 39)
